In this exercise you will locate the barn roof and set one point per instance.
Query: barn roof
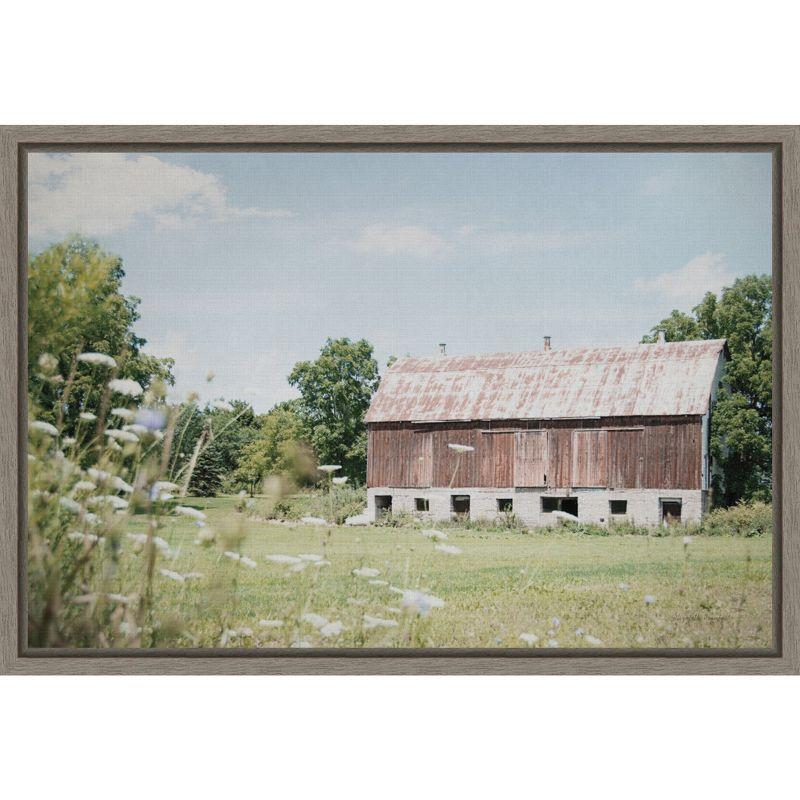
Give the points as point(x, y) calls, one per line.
point(673, 378)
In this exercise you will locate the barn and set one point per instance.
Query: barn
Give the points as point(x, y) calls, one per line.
point(603, 433)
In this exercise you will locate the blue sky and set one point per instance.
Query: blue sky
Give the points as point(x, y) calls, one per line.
point(246, 262)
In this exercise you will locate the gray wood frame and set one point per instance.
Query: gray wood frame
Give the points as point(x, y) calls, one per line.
point(782, 141)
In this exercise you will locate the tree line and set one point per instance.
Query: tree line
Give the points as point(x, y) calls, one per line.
point(76, 304)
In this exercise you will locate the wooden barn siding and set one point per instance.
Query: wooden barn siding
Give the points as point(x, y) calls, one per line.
point(650, 453)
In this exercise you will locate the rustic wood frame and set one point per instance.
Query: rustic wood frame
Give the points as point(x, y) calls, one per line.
point(784, 144)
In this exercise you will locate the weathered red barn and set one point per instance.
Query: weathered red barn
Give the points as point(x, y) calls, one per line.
point(601, 433)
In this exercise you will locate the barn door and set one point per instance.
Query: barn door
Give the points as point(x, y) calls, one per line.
point(590, 458)
point(625, 458)
point(422, 459)
point(530, 458)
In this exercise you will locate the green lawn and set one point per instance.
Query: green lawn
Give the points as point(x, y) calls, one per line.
point(714, 593)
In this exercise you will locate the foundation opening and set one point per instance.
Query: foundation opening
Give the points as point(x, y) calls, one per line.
point(459, 505)
point(505, 505)
point(568, 505)
point(670, 511)
point(422, 504)
point(618, 507)
point(383, 505)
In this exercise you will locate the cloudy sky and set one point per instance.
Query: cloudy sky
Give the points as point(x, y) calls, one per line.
point(246, 262)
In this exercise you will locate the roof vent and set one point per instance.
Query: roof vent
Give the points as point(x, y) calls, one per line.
point(442, 349)
point(660, 336)
point(546, 342)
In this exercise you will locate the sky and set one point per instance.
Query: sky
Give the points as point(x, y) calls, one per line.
point(246, 262)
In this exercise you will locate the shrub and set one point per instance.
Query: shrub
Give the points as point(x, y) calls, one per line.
point(744, 519)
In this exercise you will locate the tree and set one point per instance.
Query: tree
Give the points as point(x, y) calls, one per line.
point(277, 449)
point(335, 392)
point(75, 304)
point(741, 420)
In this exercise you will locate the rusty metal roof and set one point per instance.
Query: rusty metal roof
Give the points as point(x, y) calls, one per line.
point(674, 378)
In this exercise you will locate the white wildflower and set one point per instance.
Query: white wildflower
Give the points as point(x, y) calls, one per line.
point(48, 363)
point(687, 540)
point(449, 548)
point(205, 537)
point(187, 511)
point(175, 576)
point(87, 416)
point(108, 499)
point(77, 536)
point(270, 623)
point(309, 557)
point(248, 562)
point(245, 631)
point(68, 441)
point(299, 567)
point(233, 556)
point(340, 481)
point(419, 601)
point(313, 521)
point(329, 468)
point(649, 599)
point(189, 575)
point(393, 610)
point(281, 559)
point(122, 599)
point(623, 587)
point(31, 457)
point(592, 640)
point(317, 620)
point(125, 386)
point(92, 519)
point(529, 638)
point(119, 435)
point(366, 572)
point(139, 430)
point(98, 359)
point(331, 629)
point(376, 622)
point(552, 643)
point(123, 413)
point(84, 486)
point(120, 484)
point(299, 642)
point(99, 475)
point(43, 427)
point(221, 405)
point(112, 445)
point(378, 582)
point(429, 533)
point(68, 504)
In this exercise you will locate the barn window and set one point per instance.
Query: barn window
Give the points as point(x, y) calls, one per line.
point(383, 505)
point(459, 505)
point(505, 505)
point(422, 504)
point(569, 505)
point(618, 506)
point(670, 511)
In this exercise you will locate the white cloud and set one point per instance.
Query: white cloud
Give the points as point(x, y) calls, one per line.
point(706, 273)
point(99, 193)
point(395, 240)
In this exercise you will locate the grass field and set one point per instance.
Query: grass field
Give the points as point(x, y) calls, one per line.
point(567, 589)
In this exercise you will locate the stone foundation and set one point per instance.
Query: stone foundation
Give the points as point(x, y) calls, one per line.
point(643, 506)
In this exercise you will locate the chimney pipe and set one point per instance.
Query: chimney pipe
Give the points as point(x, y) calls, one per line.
point(661, 336)
point(442, 349)
point(546, 342)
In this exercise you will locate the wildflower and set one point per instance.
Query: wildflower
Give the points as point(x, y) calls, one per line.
point(68, 504)
point(108, 499)
point(206, 537)
point(123, 413)
point(309, 557)
point(43, 427)
point(84, 486)
point(120, 484)
point(331, 629)
point(298, 642)
point(48, 363)
point(366, 572)
point(623, 587)
point(112, 445)
point(98, 359)
point(329, 468)
point(323, 563)
point(649, 599)
point(529, 638)
point(139, 430)
point(687, 540)
point(126, 629)
point(125, 386)
point(188, 511)
point(376, 582)
point(227, 635)
point(419, 601)
point(221, 405)
point(313, 521)
point(87, 416)
point(461, 448)
point(157, 435)
point(270, 623)
point(592, 640)
point(317, 620)
point(377, 622)
point(31, 457)
point(555, 622)
point(281, 559)
point(92, 519)
point(175, 576)
point(99, 475)
point(340, 481)
point(189, 575)
point(232, 555)
point(353, 601)
point(77, 536)
point(122, 436)
point(435, 535)
point(449, 548)
point(552, 643)
point(151, 418)
point(393, 610)
point(299, 567)
point(68, 441)
point(248, 562)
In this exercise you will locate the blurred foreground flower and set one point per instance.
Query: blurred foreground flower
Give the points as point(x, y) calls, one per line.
point(125, 386)
point(98, 359)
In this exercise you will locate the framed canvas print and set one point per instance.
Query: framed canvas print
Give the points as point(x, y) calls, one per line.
point(399, 399)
